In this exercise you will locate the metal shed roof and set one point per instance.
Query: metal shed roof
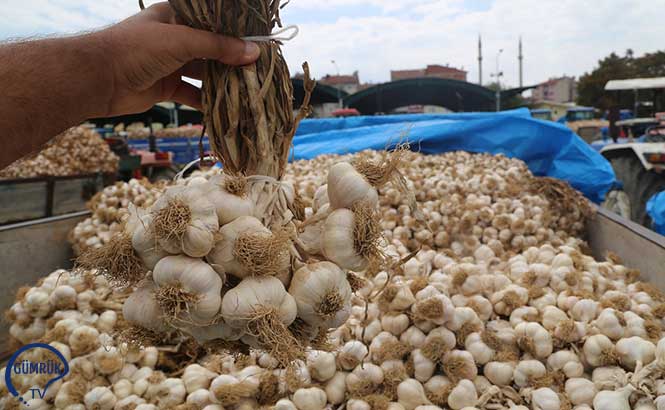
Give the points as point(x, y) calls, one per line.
point(635, 84)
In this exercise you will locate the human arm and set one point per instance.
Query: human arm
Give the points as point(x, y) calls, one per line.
point(47, 86)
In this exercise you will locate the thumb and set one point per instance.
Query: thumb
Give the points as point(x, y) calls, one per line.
point(190, 44)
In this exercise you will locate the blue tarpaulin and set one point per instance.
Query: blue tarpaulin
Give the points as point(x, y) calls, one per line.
point(656, 210)
point(548, 148)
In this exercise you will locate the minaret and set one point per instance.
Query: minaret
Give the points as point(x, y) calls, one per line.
point(480, 61)
point(521, 59)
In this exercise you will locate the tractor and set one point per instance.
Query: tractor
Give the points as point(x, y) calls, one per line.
point(583, 122)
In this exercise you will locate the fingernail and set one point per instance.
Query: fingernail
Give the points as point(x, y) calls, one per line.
point(251, 50)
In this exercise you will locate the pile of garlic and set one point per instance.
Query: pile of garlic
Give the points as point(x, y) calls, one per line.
point(76, 314)
point(109, 208)
point(539, 326)
point(77, 151)
point(485, 350)
point(140, 131)
point(468, 200)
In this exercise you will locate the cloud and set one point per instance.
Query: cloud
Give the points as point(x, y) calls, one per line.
point(560, 37)
point(375, 36)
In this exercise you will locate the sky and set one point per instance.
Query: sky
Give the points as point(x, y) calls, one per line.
point(374, 36)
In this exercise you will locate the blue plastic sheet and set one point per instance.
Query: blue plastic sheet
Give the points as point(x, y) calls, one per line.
point(656, 210)
point(548, 148)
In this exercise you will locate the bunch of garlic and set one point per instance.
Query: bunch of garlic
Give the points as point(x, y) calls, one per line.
point(227, 258)
point(77, 151)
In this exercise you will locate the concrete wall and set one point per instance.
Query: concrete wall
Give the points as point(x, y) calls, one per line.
point(30, 251)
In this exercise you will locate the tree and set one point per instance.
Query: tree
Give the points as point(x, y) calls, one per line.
point(591, 86)
point(515, 101)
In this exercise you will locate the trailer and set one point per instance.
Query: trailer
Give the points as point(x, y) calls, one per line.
point(43, 197)
point(36, 248)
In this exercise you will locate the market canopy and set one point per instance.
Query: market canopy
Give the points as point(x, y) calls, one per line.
point(454, 95)
point(635, 84)
point(322, 93)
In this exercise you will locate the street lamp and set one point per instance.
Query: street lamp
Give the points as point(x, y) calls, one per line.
point(498, 74)
point(339, 92)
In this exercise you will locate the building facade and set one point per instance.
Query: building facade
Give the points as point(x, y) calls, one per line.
point(559, 90)
point(436, 71)
point(347, 83)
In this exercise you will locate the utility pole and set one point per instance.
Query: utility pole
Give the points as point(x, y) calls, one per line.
point(339, 92)
point(521, 60)
point(480, 60)
point(498, 74)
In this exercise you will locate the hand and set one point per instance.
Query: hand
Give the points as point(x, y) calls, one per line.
point(149, 53)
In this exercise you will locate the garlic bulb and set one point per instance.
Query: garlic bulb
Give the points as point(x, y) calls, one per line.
point(566, 361)
point(423, 366)
point(285, 404)
point(463, 395)
point(411, 394)
point(230, 197)
point(347, 187)
point(534, 339)
point(183, 220)
point(100, 398)
point(200, 398)
point(108, 361)
point(613, 400)
point(580, 391)
point(143, 239)
point(500, 373)
point(197, 377)
point(171, 392)
point(361, 377)
point(459, 364)
point(182, 280)
point(351, 354)
point(141, 308)
point(262, 309)
point(322, 294)
point(349, 239)
point(609, 378)
point(545, 399)
point(246, 248)
point(527, 370)
point(322, 365)
point(635, 351)
point(599, 351)
point(310, 399)
point(336, 388)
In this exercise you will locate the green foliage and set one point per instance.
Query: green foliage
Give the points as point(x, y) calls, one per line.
point(591, 87)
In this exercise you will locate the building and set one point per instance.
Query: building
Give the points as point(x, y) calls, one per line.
point(437, 71)
point(558, 109)
point(347, 83)
point(560, 90)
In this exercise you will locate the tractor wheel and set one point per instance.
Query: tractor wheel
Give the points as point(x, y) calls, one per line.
point(639, 184)
point(617, 201)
